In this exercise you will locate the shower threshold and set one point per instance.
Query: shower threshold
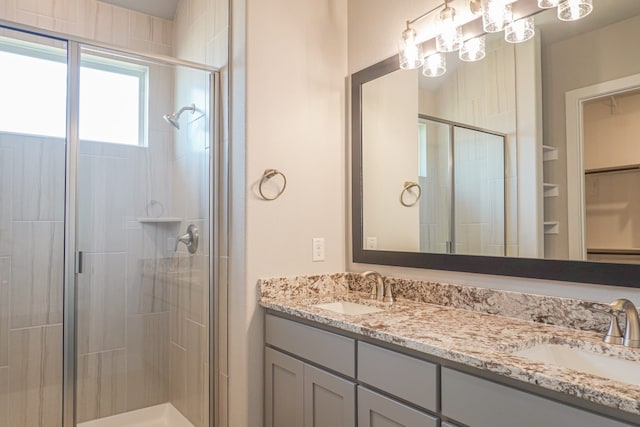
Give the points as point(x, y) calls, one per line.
point(164, 415)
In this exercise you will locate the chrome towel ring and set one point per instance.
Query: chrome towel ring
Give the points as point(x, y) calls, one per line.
point(268, 174)
point(408, 185)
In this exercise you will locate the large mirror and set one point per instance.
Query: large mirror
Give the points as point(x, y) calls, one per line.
point(530, 154)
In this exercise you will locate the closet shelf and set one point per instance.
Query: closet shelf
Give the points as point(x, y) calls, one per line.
point(549, 153)
point(613, 169)
point(550, 190)
point(551, 227)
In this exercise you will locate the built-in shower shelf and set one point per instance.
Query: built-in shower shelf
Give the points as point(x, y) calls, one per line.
point(162, 219)
point(549, 153)
point(551, 227)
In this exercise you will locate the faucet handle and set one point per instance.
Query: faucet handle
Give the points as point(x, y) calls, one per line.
point(614, 334)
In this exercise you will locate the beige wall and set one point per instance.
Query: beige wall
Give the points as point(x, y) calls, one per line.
point(390, 158)
point(374, 29)
point(288, 98)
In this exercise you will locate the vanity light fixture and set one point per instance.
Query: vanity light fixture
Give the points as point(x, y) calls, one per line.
point(520, 31)
point(572, 10)
point(449, 36)
point(435, 65)
point(411, 55)
point(547, 4)
point(473, 49)
point(495, 15)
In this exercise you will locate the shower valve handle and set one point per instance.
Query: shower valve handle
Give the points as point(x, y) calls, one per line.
point(190, 239)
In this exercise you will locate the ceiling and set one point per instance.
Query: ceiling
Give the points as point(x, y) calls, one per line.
point(161, 8)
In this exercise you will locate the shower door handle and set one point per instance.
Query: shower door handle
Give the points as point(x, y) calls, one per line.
point(190, 239)
point(79, 261)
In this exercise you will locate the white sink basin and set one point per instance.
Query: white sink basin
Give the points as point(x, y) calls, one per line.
point(346, 307)
point(617, 369)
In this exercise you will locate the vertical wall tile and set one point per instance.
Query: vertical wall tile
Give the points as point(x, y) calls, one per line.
point(101, 385)
point(39, 180)
point(4, 396)
point(5, 307)
point(104, 202)
point(196, 397)
point(101, 303)
point(147, 360)
point(178, 385)
point(148, 286)
point(35, 377)
point(6, 199)
point(37, 274)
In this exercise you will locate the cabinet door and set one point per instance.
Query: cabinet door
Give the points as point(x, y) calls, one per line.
point(375, 410)
point(329, 401)
point(284, 378)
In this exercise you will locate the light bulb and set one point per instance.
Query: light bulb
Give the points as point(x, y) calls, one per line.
point(495, 14)
point(546, 4)
point(410, 50)
point(572, 10)
point(450, 35)
point(520, 31)
point(434, 65)
point(473, 49)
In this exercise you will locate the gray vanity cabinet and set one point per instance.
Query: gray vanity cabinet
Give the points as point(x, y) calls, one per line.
point(329, 401)
point(284, 385)
point(297, 394)
point(375, 410)
point(481, 403)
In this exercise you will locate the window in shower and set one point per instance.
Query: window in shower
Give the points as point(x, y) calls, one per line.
point(34, 78)
point(111, 92)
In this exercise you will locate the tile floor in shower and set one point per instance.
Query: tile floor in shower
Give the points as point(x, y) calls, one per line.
point(164, 415)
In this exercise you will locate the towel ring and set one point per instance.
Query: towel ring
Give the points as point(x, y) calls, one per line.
point(408, 185)
point(268, 174)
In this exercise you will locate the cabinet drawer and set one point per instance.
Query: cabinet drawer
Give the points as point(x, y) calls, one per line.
point(324, 348)
point(411, 379)
point(482, 403)
point(375, 410)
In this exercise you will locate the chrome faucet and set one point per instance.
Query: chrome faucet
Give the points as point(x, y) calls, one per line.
point(380, 290)
point(632, 325)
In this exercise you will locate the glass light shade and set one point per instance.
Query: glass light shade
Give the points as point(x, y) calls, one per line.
point(434, 65)
point(547, 4)
point(495, 15)
point(473, 49)
point(411, 56)
point(450, 35)
point(572, 10)
point(520, 31)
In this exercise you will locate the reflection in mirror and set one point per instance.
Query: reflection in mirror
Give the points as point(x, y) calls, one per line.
point(528, 203)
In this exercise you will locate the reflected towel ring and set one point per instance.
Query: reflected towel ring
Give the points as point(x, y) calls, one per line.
point(408, 185)
point(268, 174)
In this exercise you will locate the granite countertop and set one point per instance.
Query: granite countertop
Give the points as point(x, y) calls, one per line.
point(476, 339)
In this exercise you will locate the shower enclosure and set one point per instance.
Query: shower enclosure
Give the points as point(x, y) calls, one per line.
point(106, 262)
point(465, 167)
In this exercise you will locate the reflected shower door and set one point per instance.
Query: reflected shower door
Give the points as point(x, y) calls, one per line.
point(32, 210)
point(143, 296)
point(479, 182)
point(434, 174)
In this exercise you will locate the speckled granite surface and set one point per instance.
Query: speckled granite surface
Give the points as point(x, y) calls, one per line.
point(474, 336)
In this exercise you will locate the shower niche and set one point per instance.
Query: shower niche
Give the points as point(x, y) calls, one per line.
point(97, 303)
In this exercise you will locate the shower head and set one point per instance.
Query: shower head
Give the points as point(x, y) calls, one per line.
point(172, 119)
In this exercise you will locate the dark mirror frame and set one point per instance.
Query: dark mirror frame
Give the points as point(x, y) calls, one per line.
point(536, 268)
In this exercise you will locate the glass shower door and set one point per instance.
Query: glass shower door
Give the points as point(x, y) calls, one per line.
point(32, 210)
point(143, 226)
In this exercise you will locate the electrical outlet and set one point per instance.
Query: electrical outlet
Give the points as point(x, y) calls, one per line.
point(318, 249)
point(372, 243)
